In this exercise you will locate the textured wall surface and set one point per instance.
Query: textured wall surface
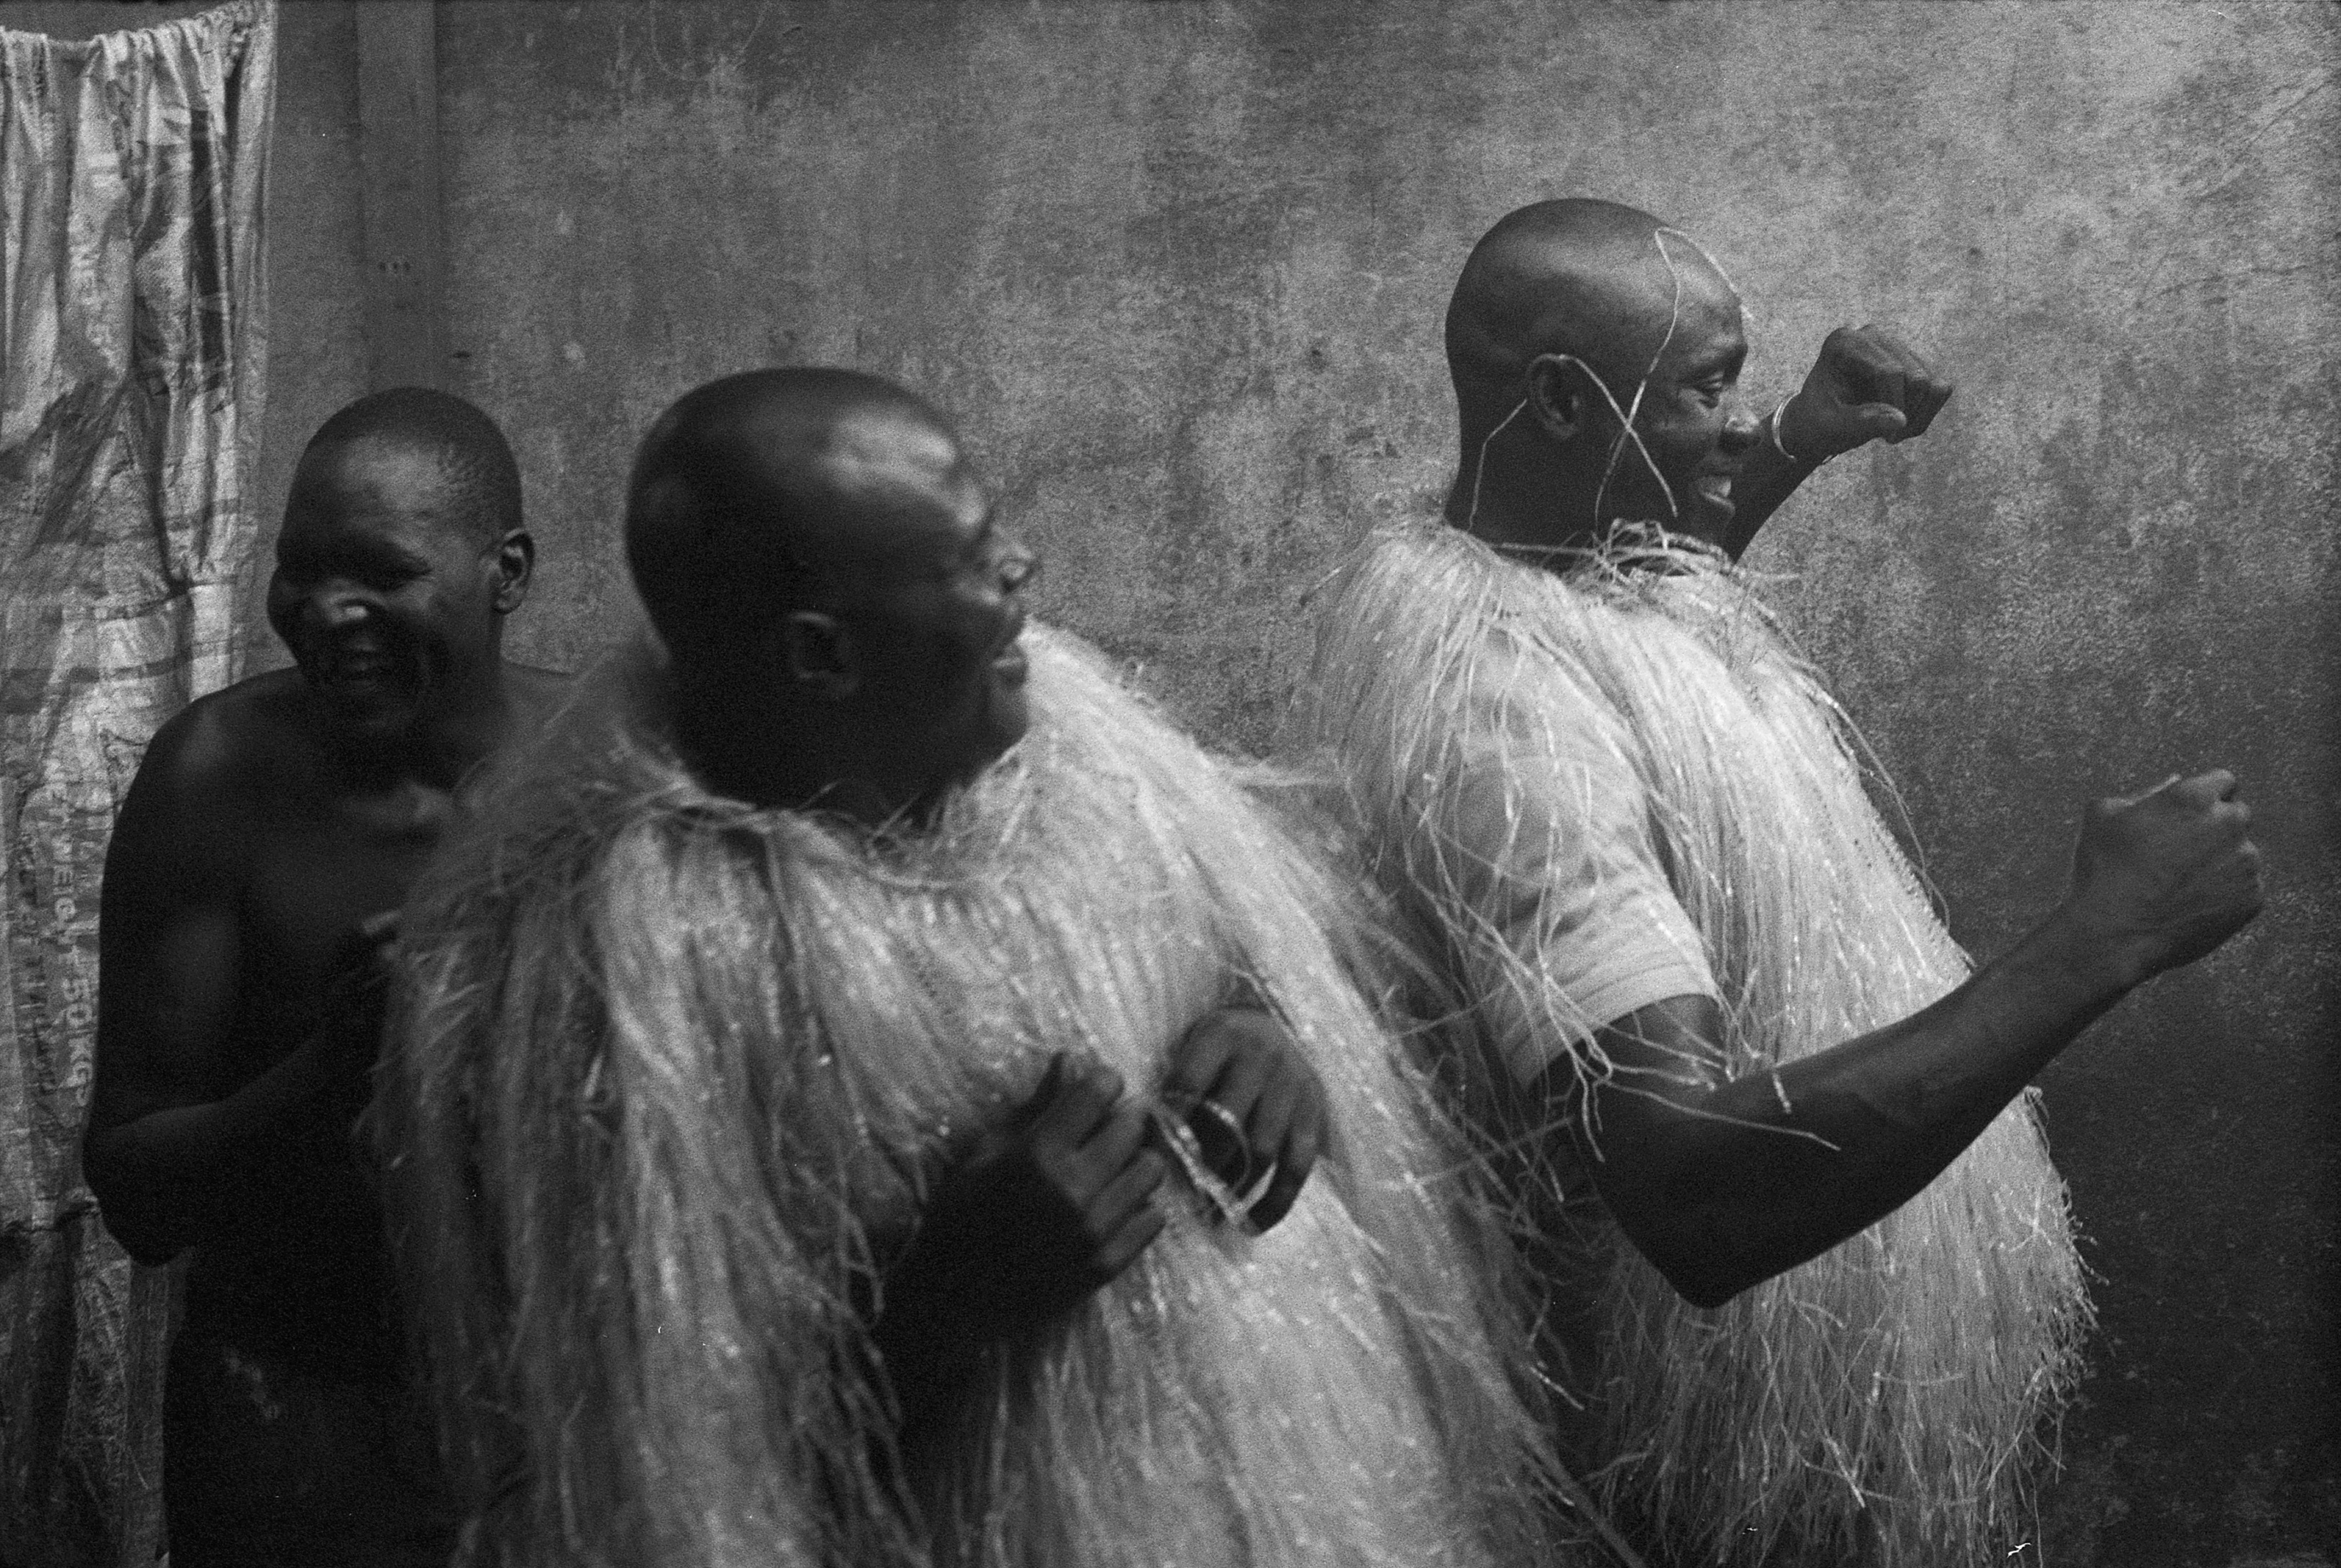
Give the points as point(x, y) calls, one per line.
point(1177, 269)
point(317, 259)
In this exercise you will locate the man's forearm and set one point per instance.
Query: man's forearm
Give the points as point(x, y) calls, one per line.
point(1729, 1185)
point(1766, 479)
point(159, 1177)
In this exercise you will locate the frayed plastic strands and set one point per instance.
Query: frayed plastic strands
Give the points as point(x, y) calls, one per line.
point(1894, 1387)
point(1641, 389)
point(674, 1074)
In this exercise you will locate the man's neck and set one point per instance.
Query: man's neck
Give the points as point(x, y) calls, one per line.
point(733, 758)
point(1521, 513)
point(1546, 517)
point(462, 739)
point(442, 746)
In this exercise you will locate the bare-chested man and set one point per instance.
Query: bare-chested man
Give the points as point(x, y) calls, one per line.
point(804, 896)
point(239, 1003)
point(1811, 1281)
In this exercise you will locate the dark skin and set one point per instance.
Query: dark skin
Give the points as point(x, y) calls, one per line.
point(1558, 328)
point(272, 828)
point(862, 661)
point(1724, 1183)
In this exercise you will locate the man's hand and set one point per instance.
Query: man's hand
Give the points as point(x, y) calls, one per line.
point(1243, 1061)
point(2164, 877)
point(360, 980)
point(357, 1005)
point(1867, 385)
point(1044, 1210)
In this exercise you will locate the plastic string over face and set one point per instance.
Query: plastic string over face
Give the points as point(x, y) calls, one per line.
point(1625, 414)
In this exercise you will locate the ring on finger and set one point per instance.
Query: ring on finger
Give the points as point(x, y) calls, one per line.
point(1189, 1107)
point(1248, 1197)
point(1172, 1117)
point(1206, 1106)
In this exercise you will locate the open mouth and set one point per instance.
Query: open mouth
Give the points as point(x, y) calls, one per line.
point(1010, 663)
point(355, 672)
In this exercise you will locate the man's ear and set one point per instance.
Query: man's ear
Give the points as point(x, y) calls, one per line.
point(818, 652)
point(1560, 395)
point(515, 562)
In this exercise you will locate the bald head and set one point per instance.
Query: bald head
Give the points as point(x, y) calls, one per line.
point(1596, 353)
point(480, 483)
point(821, 565)
point(1589, 278)
point(758, 492)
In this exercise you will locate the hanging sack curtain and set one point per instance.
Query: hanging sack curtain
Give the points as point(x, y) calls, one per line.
point(132, 360)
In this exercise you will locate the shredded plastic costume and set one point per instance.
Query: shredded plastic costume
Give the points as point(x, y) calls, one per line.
point(1905, 1375)
point(675, 1070)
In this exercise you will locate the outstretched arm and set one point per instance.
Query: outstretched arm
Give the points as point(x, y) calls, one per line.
point(1866, 385)
point(1723, 1183)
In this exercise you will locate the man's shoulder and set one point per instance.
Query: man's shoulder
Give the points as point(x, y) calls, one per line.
point(1528, 674)
point(208, 778)
point(236, 742)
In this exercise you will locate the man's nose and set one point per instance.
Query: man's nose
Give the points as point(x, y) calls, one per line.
point(336, 606)
point(1018, 564)
point(1741, 431)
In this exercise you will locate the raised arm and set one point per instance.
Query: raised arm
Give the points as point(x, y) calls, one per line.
point(161, 1138)
point(1866, 384)
point(1722, 1183)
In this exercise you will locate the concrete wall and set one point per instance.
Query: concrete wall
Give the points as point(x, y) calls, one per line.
point(1178, 267)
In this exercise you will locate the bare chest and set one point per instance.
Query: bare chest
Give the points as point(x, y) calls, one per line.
point(313, 871)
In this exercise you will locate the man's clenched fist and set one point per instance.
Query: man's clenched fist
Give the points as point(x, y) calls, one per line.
point(2164, 877)
point(1046, 1208)
point(1021, 1229)
point(1867, 385)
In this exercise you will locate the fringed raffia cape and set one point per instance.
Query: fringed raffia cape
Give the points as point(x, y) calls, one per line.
point(671, 1069)
point(1906, 1373)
